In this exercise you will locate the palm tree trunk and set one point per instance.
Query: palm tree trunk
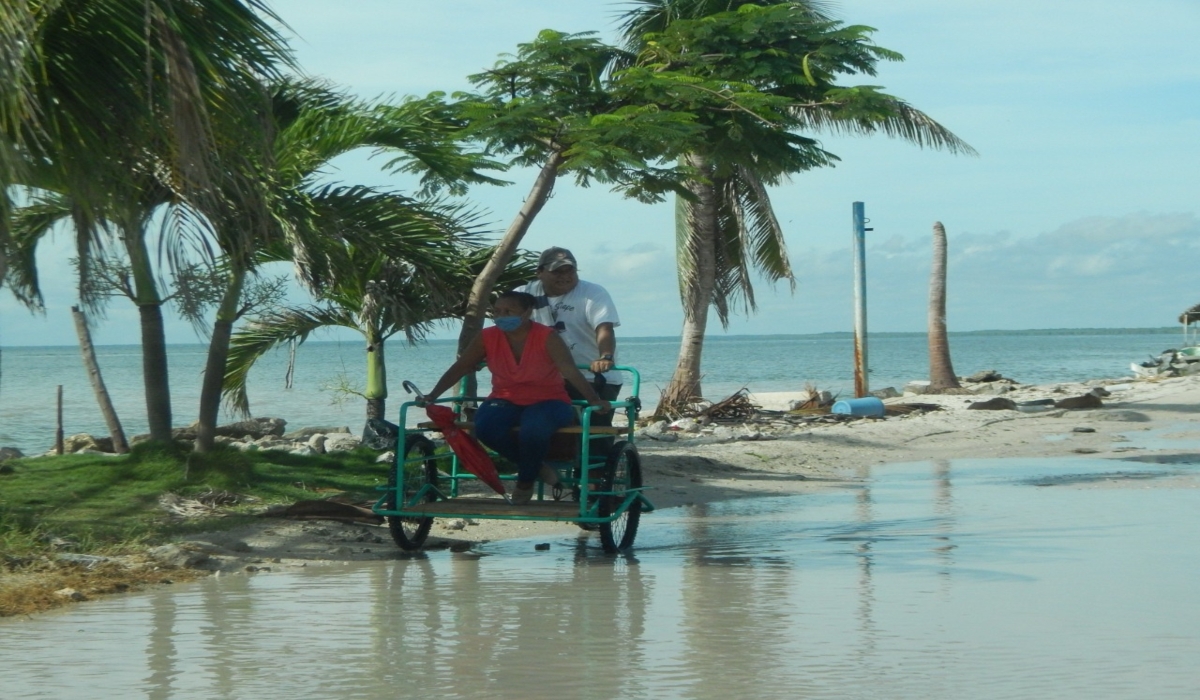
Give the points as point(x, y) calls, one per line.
point(120, 446)
point(154, 344)
point(154, 372)
point(376, 390)
point(696, 241)
point(477, 302)
point(941, 371)
point(214, 367)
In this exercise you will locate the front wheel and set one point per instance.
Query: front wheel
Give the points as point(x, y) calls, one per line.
point(622, 473)
point(410, 533)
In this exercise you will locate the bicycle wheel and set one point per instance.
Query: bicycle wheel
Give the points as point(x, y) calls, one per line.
point(623, 472)
point(410, 533)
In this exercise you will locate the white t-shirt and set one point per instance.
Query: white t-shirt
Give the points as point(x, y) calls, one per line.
point(575, 316)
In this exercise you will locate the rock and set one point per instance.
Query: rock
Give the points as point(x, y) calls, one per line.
point(316, 442)
point(303, 451)
point(987, 375)
point(70, 594)
point(1080, 402)
point(543, 547)
point(339, 442)
point(992, 388)
point(886, 393)
point(1083, 430)
point(654, 431)
point(685, 425)
point(997, 404)
point(176, 555)
point(254, 427)
point(723, 433)
point(7, 453)
point(918, 387)
point(456, 524)
point(79, 442)
point(747, 433)
point(386, 458)
point(306, 433)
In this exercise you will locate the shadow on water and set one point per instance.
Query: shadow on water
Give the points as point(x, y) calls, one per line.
point(933, 580)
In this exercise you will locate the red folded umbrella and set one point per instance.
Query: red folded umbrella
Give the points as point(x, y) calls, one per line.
point(471, 454)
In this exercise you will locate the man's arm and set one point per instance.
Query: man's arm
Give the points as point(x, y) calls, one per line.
point(606, 341)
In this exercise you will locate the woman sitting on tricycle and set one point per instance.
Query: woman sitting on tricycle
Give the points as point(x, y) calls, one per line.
point(528, 362)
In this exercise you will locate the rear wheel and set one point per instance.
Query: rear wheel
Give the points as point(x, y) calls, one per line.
point(410, 533)
point(623, 472)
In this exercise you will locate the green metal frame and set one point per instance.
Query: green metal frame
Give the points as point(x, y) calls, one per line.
point(589, 501)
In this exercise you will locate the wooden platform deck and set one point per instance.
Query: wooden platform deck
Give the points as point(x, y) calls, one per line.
point(569, 430)
point(491, 507)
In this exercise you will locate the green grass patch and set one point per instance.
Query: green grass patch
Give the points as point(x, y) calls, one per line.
point(98, 502)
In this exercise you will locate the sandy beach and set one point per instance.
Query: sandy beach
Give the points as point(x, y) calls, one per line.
point(1144, 421)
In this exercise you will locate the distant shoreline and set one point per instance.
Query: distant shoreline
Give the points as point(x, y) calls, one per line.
point(720, 338)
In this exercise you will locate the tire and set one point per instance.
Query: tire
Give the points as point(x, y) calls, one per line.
point(623, 472)
point(410, 533)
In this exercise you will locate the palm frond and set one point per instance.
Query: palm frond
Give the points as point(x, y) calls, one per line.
point(269, 331)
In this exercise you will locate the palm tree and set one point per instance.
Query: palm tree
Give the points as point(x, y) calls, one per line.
point(791, 53)
point(311, 125)
point(941, 371)
point(383, 289)
point(120, 98)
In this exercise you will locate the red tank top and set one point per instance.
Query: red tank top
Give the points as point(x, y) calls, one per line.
point(535, 379)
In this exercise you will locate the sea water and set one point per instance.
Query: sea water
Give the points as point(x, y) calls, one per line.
point(1049, 579)
point(327, 373)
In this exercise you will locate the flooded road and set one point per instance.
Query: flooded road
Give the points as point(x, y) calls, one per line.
point(980, 579)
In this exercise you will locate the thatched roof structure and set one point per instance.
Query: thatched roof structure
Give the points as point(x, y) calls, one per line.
point(1192, 315)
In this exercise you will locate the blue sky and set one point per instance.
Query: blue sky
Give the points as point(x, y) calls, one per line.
point(1080, 211)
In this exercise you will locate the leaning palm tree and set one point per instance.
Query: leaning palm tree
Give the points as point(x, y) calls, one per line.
point(792, 52)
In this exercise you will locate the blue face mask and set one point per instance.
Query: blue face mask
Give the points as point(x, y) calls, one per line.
point(507, 323)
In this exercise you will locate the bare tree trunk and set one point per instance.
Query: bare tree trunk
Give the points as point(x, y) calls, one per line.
point(120, 446)
point(696, 235)
point(478, 299)
point(941, 371)
point(214, 367)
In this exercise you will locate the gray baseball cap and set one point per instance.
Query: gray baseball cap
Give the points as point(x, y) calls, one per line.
point(554, 258)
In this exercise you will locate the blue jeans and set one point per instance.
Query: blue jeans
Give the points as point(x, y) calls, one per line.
point(496, 418)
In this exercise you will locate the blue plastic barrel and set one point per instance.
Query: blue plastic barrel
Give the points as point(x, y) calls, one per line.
point(866, 406)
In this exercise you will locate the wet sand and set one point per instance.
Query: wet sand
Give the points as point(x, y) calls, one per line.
point(1141, 421)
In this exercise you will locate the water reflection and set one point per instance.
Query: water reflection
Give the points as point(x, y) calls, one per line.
point(936, 580)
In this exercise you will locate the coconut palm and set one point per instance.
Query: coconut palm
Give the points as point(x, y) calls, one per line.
point(790, 51)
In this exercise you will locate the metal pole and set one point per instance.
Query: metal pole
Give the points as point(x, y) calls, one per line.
point(860, 302)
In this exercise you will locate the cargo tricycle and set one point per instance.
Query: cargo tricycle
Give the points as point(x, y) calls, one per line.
point(599, 472)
